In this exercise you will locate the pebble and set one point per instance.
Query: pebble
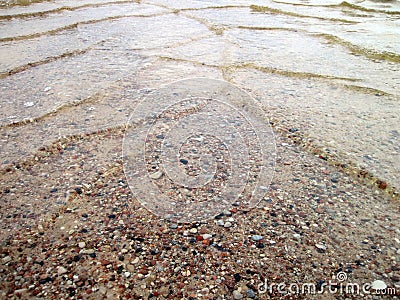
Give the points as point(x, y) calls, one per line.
point(250, 294)
point(320, 247)
point(127, 274)
point(227, 224)
point(184, 161)
point(379, 285)
point(257, 238)
point(130, 268)
point(220, 223)
point(156, 175)
point(136, 260)
point(237, 294)
point(159, 267)
point(207, 236)
point(81, 245)
point(227, 213)
point(219, 216)
point(6, 259)
point(20, 291)
point(61, 270)
point(296, 236)
point(193, 230)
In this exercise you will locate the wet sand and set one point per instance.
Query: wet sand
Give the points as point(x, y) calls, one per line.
point(102, 243)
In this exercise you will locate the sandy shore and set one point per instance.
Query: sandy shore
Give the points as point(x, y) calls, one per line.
point(73, 73)
point(315, 223)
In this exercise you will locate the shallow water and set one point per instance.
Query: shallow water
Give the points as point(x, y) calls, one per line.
point(328, 68)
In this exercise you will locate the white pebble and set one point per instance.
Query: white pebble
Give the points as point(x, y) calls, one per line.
point(228, 224)
point(379, 285)
point(256, 237)
point(220, 223)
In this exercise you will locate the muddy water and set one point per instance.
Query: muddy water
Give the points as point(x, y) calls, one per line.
point(329, 69)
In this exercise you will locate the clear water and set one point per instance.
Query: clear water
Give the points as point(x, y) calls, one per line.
point(330, 68)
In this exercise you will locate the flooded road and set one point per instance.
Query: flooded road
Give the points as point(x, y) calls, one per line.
point(328, 70)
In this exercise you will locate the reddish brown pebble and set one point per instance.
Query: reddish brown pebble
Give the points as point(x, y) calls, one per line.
point(105, 262)
point(206, 242)
point(382, 185)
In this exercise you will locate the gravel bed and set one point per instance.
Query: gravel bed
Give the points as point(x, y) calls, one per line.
point(101, 243)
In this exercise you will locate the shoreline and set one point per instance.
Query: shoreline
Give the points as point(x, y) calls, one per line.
point(287, 130)
point(224, 95)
